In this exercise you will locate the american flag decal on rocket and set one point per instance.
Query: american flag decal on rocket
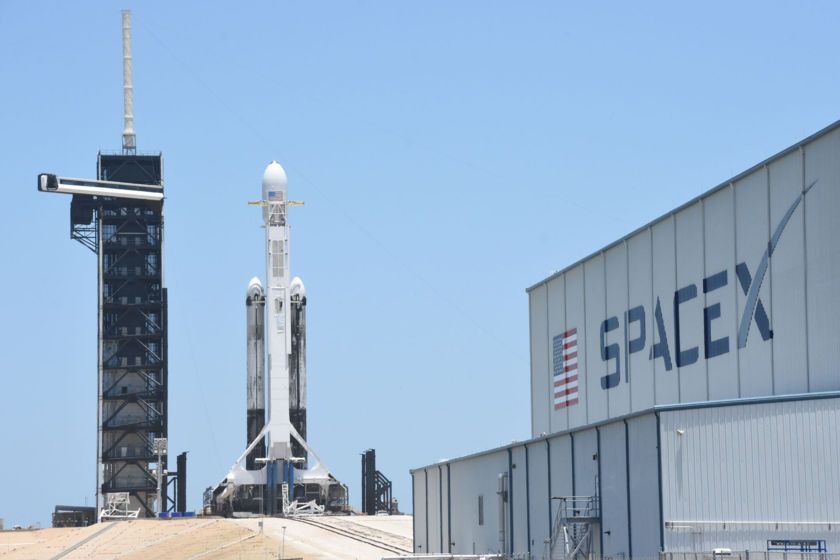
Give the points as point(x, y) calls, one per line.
point(565, 369)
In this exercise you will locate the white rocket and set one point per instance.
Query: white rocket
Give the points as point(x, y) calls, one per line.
point(286, 396)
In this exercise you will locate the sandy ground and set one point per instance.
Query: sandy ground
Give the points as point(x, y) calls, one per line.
point(210, 538)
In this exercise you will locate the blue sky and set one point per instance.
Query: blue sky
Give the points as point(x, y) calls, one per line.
point(450, 155)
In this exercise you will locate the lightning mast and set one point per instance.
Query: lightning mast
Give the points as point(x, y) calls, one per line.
point(129, 141)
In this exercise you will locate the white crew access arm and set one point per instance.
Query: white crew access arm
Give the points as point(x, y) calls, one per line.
point(116, 189)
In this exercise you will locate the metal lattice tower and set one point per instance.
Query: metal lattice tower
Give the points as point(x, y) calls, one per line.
point(127, 237)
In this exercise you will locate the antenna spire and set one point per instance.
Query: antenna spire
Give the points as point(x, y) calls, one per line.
point(129, 141)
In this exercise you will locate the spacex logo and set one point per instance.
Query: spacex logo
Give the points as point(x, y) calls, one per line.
point(753, 312)
point(676, 350)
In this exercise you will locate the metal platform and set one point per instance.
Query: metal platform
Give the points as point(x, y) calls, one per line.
point(576, 522)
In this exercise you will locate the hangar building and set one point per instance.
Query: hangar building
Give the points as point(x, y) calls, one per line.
point(685, 395)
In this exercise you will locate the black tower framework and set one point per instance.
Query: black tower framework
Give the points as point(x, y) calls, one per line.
point(127, 237)
point(376, 488)
point(176, 486)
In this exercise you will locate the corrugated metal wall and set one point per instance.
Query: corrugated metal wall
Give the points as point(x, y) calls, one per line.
point(732, 476)
point(519, 499)
point(470, 479)
point(614, 515)
point(775, 464)
point(538, 491)
point(645, 520)
point(658, 314)
point(570, 464)
point(421, 511)
point(434, 501)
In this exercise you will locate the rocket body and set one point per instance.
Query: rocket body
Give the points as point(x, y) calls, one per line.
point(276, 328)
point(277, 297)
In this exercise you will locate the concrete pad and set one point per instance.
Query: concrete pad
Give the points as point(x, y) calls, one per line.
point(318, 543)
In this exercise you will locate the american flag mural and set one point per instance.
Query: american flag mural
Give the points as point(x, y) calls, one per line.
point(275, 196)
point(565, 369)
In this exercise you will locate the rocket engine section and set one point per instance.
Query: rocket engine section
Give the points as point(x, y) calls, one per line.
point(281, 473)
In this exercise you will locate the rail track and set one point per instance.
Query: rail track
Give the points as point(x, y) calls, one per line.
point(355, 535)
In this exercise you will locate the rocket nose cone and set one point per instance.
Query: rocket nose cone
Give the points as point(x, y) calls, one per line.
point(296, 288)
point(274, 177)
point(255, 287)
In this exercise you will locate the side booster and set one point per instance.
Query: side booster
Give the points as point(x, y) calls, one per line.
point(297, 364)
point(281, 473)
point(255, 388)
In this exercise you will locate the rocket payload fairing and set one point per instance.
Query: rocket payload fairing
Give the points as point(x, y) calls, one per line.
point(291, 478)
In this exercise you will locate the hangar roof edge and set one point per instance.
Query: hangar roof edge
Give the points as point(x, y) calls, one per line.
point(654, 410)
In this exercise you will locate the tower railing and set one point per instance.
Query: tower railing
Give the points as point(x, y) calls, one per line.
point(574, 525)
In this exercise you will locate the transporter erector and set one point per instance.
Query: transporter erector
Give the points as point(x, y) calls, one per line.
point(278, 473)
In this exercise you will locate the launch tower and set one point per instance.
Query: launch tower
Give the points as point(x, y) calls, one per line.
point(119, 216)
point(132, 329)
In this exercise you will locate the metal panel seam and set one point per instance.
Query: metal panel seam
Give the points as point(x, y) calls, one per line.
point(413, 513)
point(448, 509)
point(510, 496)
point(627, 484)
point(626, 331)
point(527, 497)
point(659, 472)
point(426, 495)
point(805, 276)
point(548, 470)
point(585, 350)
point(652, 303)
point(440, 503)
point(770, 281)
point(705, 273)
point(600, 500)
point(733, 205)
point(676, 326)
point(574, 486)
point(565, 327)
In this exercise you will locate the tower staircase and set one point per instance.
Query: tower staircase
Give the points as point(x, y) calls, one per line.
point(575, 523)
